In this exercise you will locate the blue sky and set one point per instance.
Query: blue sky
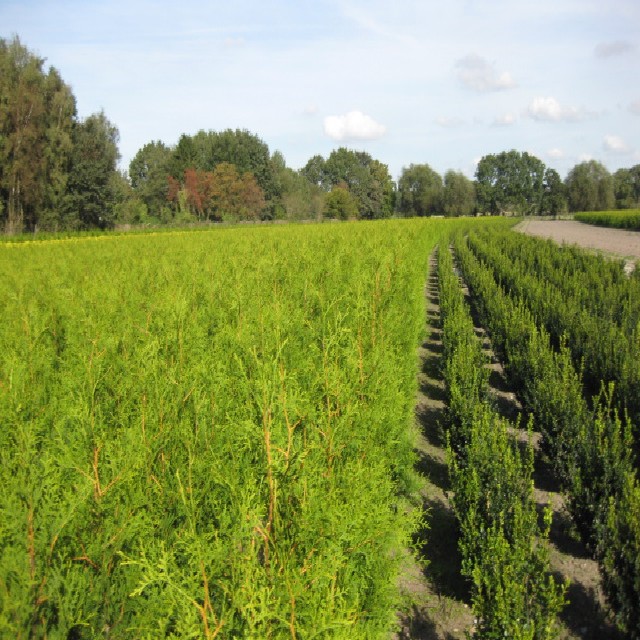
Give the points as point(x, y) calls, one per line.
point(408, 81)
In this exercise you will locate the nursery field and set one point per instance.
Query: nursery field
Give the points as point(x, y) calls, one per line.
point(566, 325)
point(210, 434)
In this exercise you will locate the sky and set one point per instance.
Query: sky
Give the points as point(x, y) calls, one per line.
point(408, 81)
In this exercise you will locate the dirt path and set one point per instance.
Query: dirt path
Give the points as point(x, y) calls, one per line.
point(618, 242)
point(440, 607)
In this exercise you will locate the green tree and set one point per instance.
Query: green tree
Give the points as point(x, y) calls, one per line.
point(590, 187)
point(510, 183)
point(90, 198)
point(553, 196)
point(149, 172)
point(381, 192)
point(366, 179)
point(420, 191)
point(37, 112)
point(459, 195)
point(340, 204)
point(207, 149)
point(626, 186)
point(300, 199)
point(314, 171)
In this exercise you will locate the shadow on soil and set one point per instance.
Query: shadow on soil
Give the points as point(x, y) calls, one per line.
point(435, 435)
point(434, 470)
point(443, 570)
point(422, 627)
point(584, 617)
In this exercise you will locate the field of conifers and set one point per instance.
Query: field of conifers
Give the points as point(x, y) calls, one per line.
point(211, 433)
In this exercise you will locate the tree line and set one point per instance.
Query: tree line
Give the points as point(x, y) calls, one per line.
point(60, 172)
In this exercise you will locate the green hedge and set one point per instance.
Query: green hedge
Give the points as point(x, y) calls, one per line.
point(624, 219)
point(504, 552)
point(590, 449)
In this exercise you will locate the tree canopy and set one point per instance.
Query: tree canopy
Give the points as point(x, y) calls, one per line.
point(90, 198)
point(590, 187)
point(510, 183)
point(340, 203)
point(61, 172)
point(368, 180)
point(37, 116)
point(420, 191)
point(459, 194)
point(626, 185)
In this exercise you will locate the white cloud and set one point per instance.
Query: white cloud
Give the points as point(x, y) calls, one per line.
point(449, 122)
point(234, 42)
point(615, 144)
point(611, 49)
point(310, 110)
point(505, 120)
point(354, 125)
point(634, 107)
point(555, 153)
point(550, 110)
point(480, 75)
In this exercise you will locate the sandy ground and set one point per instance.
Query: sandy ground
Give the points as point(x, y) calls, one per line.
point(620, 242)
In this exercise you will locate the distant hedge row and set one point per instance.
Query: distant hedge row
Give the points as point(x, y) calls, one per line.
point(629, 219)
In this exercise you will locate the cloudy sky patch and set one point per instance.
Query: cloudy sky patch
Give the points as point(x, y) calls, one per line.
point(613, 49)
point(353, 126)
point(548, 109)
point(615, 144)
point(479, 74)
point(505, 120)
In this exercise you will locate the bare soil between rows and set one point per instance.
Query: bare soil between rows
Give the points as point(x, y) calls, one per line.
point(617, 242)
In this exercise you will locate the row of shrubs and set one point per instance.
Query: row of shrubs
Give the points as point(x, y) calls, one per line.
point(588, 444)
point(503, 548)
point(582, 297)
point(617, 219)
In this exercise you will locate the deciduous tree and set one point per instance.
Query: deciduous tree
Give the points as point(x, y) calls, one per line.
point(459, 195)
point(554, 200)
point(626, 185)
point(510, 183)
point(366, 179)
point(420, 191)
point(340, 203)
point(149, 172)
point(590, 187)
point(90, 197)
point(37, 111)
point(205, 150)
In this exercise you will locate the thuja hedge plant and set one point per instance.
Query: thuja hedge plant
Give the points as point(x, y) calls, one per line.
point(210, 434)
